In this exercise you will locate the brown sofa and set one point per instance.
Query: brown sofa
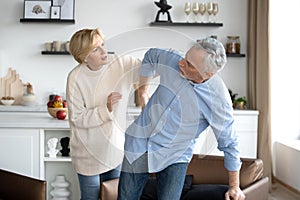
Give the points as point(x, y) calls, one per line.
point(210, 170)
point(14, 186)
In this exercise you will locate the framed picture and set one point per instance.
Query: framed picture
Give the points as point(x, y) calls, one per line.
point(66, 8)
point(37, 9)
point(55, 12)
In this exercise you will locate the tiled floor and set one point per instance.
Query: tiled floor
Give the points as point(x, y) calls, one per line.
point(279, 192)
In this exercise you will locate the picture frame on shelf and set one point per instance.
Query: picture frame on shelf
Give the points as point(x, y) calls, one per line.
point(66, 8)
point(55, 12)
point(34, 9)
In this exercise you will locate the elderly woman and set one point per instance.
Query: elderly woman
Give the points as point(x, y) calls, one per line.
point(97, 92)
point(190, 97)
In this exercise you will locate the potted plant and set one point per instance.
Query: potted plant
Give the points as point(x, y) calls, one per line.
point(240, 103)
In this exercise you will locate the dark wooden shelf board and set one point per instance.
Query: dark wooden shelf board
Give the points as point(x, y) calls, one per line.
point(55, 53)
point(235, 55)
point(70, 21)
point(185, 24)
point(63, 52)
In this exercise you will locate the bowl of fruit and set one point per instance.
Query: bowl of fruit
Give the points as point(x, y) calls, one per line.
point(57, 107)
point(7, 101)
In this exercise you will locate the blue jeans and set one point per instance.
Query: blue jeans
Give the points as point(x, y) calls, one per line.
point(169, 181)
point(90, 185)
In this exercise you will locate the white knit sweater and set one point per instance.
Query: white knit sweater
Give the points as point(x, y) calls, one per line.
point(97, 136)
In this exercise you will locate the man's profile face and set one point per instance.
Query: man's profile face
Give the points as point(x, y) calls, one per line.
point(191, 65)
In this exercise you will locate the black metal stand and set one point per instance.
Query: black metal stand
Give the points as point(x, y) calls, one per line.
point(163, 12)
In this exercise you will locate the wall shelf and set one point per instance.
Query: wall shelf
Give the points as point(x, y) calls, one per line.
point(235, 55)
point(217, 24)
point(63, 52)
point(57, 159)
point(67, 53)
point(55, 53)
point(65, 21)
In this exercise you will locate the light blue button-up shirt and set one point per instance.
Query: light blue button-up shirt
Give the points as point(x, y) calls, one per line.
point(177, 113)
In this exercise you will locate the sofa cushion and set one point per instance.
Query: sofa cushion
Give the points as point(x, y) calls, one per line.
point(109, 189)
point(150, 189)
point(208, 169)
point(205, 192)
point(251, 171)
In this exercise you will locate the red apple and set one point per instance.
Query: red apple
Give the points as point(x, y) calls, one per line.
point(61, 114)
point(57, 98)
point(50, 104)
point(65, 104)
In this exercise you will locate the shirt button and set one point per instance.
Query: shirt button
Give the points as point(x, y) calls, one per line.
point(169, 109)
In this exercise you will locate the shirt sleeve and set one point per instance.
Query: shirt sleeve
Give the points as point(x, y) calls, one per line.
point(157, 60)
point(150, 63)
point(220, 118)
point(224, 130)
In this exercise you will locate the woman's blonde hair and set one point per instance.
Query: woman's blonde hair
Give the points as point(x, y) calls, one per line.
point(81, 43)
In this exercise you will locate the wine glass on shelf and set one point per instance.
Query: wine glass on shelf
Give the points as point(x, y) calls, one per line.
point(215, 10)
point(202, 10)
point(195, 9)
point(209, 9)
point(187, 10)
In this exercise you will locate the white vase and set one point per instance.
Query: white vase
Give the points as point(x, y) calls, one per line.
point(60, 188)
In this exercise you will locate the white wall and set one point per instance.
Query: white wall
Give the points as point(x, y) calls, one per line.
point(126, 26)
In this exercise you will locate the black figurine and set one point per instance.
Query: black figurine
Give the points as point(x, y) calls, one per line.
point(64, 142)
point(164, 7)
point(232, 96)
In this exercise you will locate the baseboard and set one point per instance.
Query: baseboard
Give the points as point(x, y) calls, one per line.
point(287, 186)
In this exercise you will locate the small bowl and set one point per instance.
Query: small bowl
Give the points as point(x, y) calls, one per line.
point(7, 102)
point(53, 111)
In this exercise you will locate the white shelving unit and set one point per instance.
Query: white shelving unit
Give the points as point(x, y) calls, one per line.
point(60, 165)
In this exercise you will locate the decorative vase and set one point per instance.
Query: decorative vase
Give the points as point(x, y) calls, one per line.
point(60, 188)
point(240, 105)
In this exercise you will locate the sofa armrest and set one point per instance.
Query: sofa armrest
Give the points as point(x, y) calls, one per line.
point(16, 186)
point(109, 189)
point(258, 190)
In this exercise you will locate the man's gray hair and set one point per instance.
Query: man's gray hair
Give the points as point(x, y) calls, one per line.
point(216, 59)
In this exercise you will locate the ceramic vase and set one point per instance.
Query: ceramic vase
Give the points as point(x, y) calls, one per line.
point(60, 188)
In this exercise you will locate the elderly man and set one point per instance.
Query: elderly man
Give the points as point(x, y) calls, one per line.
point(190, 97)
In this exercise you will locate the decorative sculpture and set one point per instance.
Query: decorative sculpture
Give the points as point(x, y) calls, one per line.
point(164, 7)
point(52, 143)
point(64, 142)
